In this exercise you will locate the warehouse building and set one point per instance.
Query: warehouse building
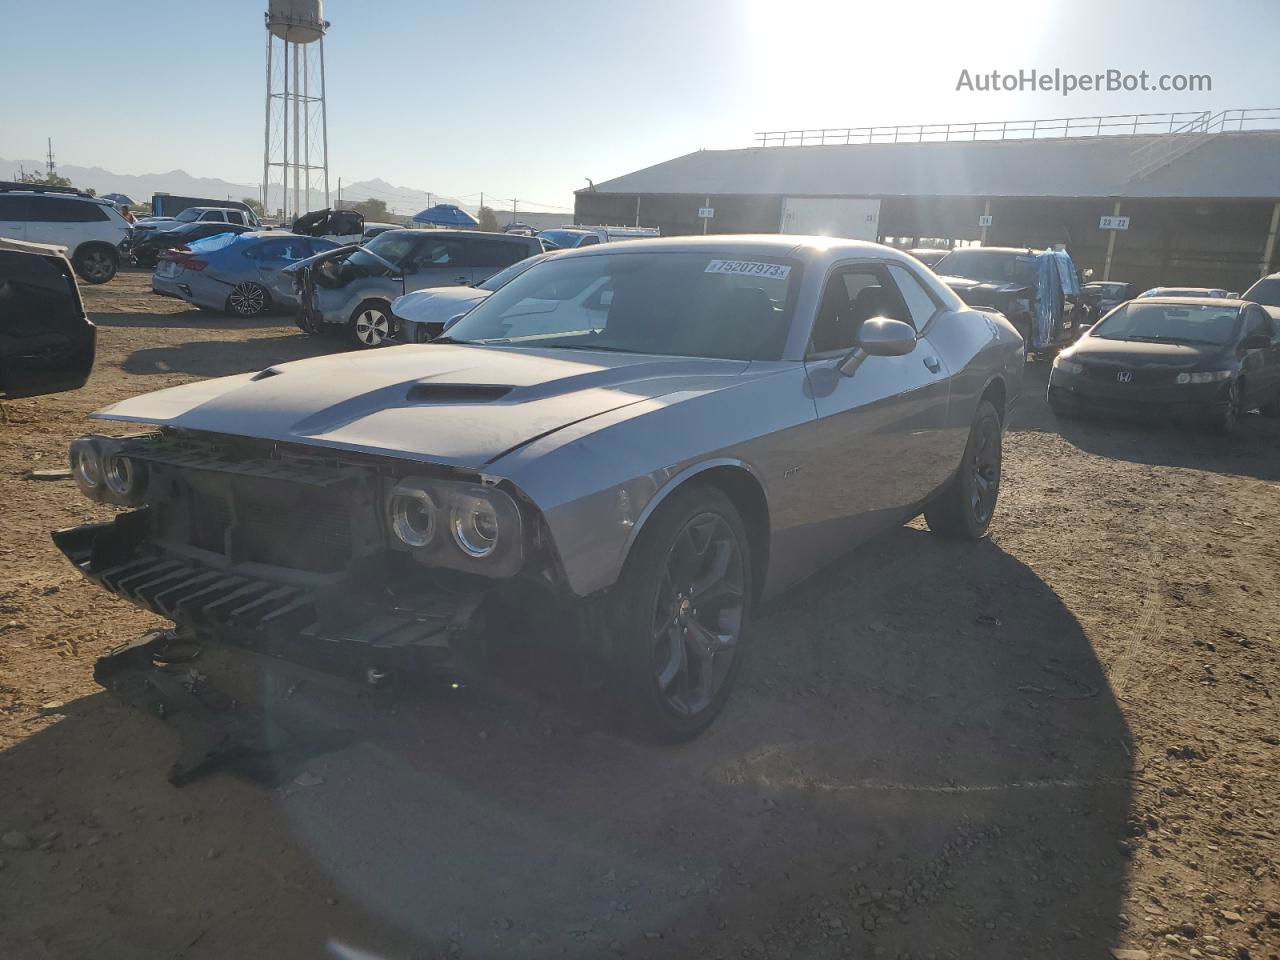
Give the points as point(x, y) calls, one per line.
point(1196, 206)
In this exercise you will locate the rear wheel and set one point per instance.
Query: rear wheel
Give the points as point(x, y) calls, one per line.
point(680, 613)
point(96, 264)
point(248, 299)
point(963, 511)
point(370, 324)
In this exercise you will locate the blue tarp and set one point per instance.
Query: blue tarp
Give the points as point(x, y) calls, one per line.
point(446, 215)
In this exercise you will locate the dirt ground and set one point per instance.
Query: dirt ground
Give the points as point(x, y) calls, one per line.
point(1060, 742)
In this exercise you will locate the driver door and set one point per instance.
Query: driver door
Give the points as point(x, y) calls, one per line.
point(880, 431)
point(438, 262)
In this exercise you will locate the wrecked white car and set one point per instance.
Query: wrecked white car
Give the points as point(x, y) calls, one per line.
point(662, 432)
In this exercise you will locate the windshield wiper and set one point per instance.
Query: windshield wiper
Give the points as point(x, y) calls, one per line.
point(445, 338)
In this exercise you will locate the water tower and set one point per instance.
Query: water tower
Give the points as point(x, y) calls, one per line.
point(296, 142)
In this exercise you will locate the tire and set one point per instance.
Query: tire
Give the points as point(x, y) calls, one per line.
point(248, 299)
point(96, 263)
point(675, 664)
point(1271, 410)
point(1062, 411)
point(1225, 423)
point(370, 324)
point(964, 509)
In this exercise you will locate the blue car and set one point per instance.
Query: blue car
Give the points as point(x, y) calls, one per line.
point(237, 274)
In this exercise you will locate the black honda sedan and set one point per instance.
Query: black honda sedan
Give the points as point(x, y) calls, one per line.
point(1202, 359)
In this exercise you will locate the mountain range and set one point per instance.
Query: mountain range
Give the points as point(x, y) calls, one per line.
point(140, 187)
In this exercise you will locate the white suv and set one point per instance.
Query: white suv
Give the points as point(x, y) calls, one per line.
point(91, 229)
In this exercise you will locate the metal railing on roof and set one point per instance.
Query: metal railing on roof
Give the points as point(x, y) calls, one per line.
point(1253, 118)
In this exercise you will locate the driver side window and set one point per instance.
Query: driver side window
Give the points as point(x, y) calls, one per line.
point(852, 296)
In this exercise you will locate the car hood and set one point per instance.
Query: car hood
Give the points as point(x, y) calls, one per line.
point(437, 304)
point(1139, 353)
point(984, 292)
point(464, 406)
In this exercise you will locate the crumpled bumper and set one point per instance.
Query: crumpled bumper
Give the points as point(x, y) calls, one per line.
point(338, 626)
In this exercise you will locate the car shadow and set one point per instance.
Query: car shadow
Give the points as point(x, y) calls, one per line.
point(190, 320)
point(923, 757)
point(1252, 451)
point(219, 358)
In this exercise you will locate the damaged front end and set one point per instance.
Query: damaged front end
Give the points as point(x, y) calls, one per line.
point(354, 565)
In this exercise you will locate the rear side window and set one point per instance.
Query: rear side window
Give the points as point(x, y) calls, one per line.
point(496, 253)
point(235, 217)
point(14, 208)
point(589, 241)
point(211, 215)
point(65, 210)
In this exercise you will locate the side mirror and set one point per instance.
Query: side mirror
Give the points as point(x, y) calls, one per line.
point(879, 337)
point(1255, 341)
point(451, 321)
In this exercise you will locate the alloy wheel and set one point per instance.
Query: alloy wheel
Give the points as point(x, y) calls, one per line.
point(985, 465)
point(372, 327)
point(96, 265)
point(247, 299)
point(698, 614)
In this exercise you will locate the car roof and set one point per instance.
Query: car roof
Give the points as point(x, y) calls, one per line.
point(763, 244)
point(454, 233)
point(1025, 251)
point(1198, 301)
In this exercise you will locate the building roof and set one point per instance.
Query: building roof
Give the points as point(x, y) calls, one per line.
point(1243, 165)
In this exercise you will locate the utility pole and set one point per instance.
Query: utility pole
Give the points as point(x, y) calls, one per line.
point(339, 191)
point(51, 158)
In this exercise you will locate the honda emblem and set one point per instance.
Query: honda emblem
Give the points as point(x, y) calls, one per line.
point(1124, 376)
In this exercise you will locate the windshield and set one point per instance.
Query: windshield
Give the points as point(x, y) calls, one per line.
point(1266, 291)
point(503, 277)
point(189, 214)
point(673, 304)
point(1107, 289)
point(563, 238)
point(1171, 322)
point(990, 266)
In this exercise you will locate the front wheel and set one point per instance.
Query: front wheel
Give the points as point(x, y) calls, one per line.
point(680, 613)
point(370, 324)
point(963, 510)
point(96, 264)
point(1226, 421)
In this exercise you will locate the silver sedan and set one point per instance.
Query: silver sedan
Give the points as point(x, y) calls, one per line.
point(663, 432)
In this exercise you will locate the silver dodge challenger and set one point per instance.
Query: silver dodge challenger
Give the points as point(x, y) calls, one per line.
point(656, 435)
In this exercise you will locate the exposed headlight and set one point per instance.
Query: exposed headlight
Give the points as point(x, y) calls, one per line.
point(1068, 366)
point(1207, 376)
point(474, 521)
point(412, 512)
point(120, 474)
point(86, 465)
point(105, 474)
point(485, 530)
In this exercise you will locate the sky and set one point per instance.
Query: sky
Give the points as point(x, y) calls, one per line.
point(528, 99)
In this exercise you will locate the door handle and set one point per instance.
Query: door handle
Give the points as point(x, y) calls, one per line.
point(933, 364)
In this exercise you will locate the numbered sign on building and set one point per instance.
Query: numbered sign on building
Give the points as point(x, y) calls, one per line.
point(1113, 223)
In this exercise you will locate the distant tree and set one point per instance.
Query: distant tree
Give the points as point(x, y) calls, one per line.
point(372, 209)
point(253, 204)
point(46, 179)
point(91, 192)
point(488, 220)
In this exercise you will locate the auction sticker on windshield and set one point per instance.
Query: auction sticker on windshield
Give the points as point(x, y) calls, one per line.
point(749, 268)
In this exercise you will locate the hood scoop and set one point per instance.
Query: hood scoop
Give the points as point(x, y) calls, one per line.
point(457, 392)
